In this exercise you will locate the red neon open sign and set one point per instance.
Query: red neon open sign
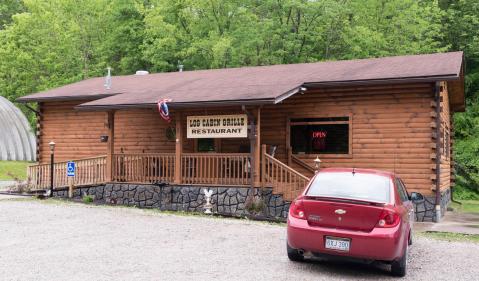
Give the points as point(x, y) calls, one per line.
point(319, 134)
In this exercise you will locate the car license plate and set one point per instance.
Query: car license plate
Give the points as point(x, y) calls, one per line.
point(340, 244)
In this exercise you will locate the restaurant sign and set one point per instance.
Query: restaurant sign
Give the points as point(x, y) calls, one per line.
point(217, 126)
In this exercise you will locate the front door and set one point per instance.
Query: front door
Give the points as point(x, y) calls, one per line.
point(206, 145)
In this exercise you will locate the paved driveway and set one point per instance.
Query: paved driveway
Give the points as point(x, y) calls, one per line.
point(65, 241)
point(459, 222)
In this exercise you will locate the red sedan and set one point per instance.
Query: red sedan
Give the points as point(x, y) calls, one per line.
point(355, 213)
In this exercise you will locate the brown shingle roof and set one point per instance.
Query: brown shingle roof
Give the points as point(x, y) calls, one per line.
point(261, 84)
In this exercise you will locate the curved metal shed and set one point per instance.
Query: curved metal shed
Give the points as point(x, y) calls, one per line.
point(17, 141)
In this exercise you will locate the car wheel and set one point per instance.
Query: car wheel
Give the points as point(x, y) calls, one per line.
point(409, 242)
point(399, 267)
point(293, 254)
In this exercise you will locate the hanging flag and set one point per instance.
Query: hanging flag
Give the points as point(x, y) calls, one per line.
point(163, 109)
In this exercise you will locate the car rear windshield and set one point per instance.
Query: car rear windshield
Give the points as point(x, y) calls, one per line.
point(348, 185)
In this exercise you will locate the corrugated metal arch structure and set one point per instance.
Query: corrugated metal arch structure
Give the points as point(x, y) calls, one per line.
point(17, 141)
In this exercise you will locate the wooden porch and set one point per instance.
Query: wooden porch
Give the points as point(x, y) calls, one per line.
point(179, 164)
point(215, 169)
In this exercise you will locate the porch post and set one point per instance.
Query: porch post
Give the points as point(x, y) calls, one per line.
point(178, 147)
point(257, 151)
point(111, 145)
point(263, 165)
point(288, 141)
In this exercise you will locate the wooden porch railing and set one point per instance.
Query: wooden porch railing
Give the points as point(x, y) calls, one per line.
point(301, 163)
point(143, 168)
point(216, 168)
point(196, 168)
point(282, 178)
point(88, 171)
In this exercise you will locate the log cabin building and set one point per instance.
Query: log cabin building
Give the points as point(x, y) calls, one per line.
point(250, 127)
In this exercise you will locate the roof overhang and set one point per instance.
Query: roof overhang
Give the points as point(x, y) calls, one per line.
point(401, 80)
point(456, 89)
point(65, 98)
point(176, 105)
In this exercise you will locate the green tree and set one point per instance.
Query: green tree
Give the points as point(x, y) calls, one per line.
point(461, 29)
point(393, 27)
point(122, 45)
point(8, 8)
point(49, 43)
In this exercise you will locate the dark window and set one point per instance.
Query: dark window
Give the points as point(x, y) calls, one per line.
point(206, 145)
point(402, 191)
point(347, 185)
point(320, 135)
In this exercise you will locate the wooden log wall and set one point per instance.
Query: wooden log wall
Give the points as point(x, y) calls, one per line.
point(143, 131)
point(76, 133)
point(451, 159)
point(446, 126)
point(392, 128)
point(38, 132)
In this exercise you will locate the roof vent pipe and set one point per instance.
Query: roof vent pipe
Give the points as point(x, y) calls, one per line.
point(142, 72)
point(108, 79)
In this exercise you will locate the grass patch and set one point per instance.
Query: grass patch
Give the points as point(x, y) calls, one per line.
point(13, 169)
point(449, 236)
point(467, 206)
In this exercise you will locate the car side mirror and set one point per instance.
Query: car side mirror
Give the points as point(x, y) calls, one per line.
point(416, 197)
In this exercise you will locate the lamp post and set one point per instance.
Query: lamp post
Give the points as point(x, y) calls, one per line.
point(52, 161)
point(317, 163)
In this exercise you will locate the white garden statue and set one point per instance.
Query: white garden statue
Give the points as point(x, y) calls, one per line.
point(208, 206)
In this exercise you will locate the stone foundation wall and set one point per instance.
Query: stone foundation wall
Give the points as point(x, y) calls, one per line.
point(231, 201)
point(426, 211)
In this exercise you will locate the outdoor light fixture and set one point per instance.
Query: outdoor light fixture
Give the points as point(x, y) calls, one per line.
point(302, 90)
point(317, 163)
point(52, 161)
point(52, 146)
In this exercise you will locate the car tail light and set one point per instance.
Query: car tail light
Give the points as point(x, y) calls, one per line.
point(297, 209)
point(388, 218)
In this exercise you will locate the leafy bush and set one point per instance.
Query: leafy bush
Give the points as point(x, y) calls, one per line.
point(466, 149)
point(463, 193)
point(20, 186)
point(88, 198)
point(255, 205)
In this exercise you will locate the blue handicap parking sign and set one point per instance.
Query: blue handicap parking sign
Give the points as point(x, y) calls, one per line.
point(70, 169)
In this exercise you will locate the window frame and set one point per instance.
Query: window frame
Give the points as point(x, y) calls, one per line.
point(401, 189)
point(291, 123)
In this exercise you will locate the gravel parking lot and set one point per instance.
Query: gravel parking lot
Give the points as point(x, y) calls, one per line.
point(66, 241)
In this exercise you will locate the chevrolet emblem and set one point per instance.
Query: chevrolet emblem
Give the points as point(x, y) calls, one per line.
point(340, 212)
